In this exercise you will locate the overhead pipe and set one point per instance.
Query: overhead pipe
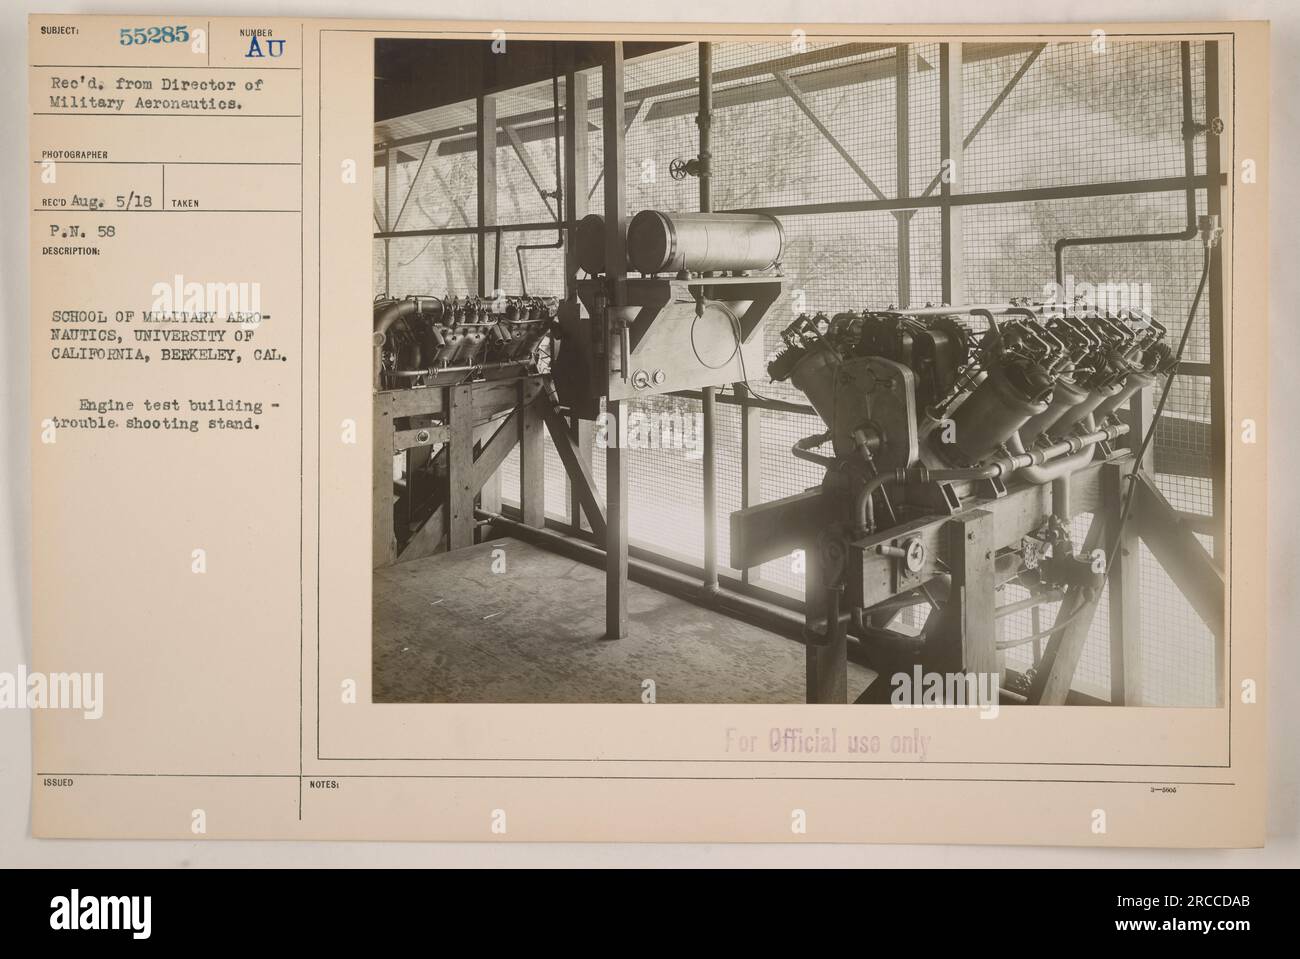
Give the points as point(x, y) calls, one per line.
point(559, 189)
point(1189, 129)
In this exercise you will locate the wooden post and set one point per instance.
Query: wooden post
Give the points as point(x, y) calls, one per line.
point(1061, 657)
point(584, 438)
point(616, 276)
point(971, 548)
point(532, 461)
point(460, 467)
point(490, 495)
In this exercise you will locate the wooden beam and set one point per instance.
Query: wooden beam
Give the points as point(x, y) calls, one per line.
point(1177, 549)
point(425, 436)
point(489, 490)
point(493, 453)
point(586, 499)
point(582, 433)
point(1051, 684)
point(489, 398)
point(430, 539)
point(768, 531)
point(973, 647)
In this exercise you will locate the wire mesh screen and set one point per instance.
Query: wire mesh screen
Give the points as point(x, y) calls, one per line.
point(818, 134)
point(556, 482)
point(1080, 113)
point(434, 186)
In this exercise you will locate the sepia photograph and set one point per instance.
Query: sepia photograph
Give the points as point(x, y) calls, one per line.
point(790, 370)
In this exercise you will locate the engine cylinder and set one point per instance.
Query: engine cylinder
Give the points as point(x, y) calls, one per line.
point(1077, 414)
point(998, 407)
point(814, 376)
point(1136, 380)
point(1066, 394)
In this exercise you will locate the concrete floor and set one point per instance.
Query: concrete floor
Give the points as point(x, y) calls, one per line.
point(448, 629)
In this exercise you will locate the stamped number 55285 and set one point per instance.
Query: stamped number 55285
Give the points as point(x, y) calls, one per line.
point(130, 36)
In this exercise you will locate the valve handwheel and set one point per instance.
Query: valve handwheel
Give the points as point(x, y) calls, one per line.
point(914, 555)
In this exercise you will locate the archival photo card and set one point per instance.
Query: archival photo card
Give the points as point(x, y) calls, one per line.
point(649, 432)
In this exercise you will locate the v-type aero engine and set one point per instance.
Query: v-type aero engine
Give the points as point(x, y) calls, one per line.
point(961, 445)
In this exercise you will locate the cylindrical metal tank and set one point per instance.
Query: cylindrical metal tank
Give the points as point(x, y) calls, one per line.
point(998, 407)
point(703, 242)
